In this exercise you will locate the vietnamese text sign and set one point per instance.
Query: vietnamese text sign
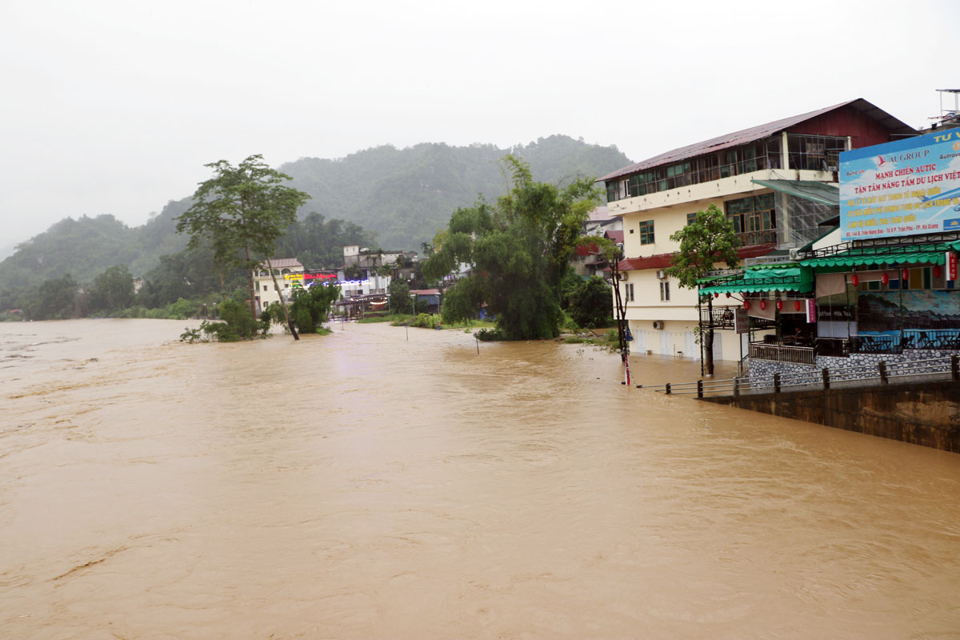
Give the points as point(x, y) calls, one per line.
point(901, 188)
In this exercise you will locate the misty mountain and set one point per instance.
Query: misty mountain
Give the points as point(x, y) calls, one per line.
point(396, 198)
point(406, 195)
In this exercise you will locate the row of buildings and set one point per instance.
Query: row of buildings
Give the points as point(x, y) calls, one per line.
point(364, 280)
point(848, 218)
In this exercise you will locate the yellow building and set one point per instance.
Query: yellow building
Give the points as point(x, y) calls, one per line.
point(754, 176)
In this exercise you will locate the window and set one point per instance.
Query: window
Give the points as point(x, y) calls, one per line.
point(815, 153)
point(665, 291)
point(754, 218)
point(691, 218)
point(646, 232)
point(630, 292)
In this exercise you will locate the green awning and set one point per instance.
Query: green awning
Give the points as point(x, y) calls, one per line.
point(822, 192)
point(762, 280)
point(780, 271)
point(927, 253)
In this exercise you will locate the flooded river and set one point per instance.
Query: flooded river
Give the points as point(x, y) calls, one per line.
point(362, 485)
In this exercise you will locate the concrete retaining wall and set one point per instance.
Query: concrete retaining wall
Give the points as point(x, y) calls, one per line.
point(924, 413)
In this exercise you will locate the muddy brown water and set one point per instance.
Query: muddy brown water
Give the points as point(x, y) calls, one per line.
point(361, 485)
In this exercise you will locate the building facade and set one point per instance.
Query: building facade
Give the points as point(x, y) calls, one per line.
point(760, 178)
point(265, 291)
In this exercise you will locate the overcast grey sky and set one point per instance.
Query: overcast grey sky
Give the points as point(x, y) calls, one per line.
point(115, 106)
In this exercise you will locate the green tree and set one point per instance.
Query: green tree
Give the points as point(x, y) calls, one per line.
point(518, 251)
point(54, 299)
point(112, 290)
point(591, 303)
point(400, 301)
point(311, 307)
point(242, 211)
point(708, 240)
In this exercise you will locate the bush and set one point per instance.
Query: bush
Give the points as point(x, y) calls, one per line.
point(237, 323)
point(425, 320)
point(489, 335)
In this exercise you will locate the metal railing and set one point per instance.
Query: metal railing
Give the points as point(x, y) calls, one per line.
point(782, 353)
point(718, 317)
point(762, 236)
point(815, 378)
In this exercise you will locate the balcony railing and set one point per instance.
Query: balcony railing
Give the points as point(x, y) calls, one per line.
point(717, 318)
point(782, 353)
point(766, 236)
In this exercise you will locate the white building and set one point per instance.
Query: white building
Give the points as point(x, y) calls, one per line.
point(753, 176)
point(263, 285)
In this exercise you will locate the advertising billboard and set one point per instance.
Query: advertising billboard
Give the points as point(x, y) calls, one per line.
point(901, 188)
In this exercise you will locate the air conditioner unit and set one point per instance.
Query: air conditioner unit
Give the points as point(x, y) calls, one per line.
point(624, 275)
point(658, 324)
point(661, 274)
point(794, 254)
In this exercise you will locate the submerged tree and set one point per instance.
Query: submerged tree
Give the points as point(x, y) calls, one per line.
point(311, 307)
point(708, 240)
point(242, 211)
point(518, 251)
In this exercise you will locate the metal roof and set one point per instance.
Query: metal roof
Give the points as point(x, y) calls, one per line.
point(760, 132)
point(827, 193)
point(281, 263)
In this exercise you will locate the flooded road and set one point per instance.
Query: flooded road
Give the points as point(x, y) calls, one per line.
point(360, 485)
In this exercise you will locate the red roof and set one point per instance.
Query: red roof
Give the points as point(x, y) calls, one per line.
point(586, 249)
point(760, 132)
point(662, 260)
point(615, 236)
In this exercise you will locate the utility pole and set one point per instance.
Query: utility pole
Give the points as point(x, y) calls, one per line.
point(621, 320)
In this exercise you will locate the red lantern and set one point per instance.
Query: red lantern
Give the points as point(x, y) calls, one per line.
point(728, 294)
point(779, 305)
point(763, 304)
point(855, 279)
point(746, 305)
point(796, 305)
point(906, 274)
point(885, 278)
point(936, 271)
point(716, 295)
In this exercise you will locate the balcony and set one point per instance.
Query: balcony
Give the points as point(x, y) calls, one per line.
point(750, 238)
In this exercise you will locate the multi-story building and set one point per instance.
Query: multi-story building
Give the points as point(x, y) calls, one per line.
point(263, 285)
point(765, 179)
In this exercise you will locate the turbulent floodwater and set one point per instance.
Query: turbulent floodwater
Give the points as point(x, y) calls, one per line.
point(362, 485)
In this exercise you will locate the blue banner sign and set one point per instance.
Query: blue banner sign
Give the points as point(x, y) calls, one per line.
point(901, 188)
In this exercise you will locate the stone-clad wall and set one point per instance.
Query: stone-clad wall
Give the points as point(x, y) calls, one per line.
point(761, 371)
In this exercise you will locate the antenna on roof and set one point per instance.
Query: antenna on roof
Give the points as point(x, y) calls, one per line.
point(948, 116)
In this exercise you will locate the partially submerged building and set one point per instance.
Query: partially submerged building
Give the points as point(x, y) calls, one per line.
point(884, 290)
point(776, 182)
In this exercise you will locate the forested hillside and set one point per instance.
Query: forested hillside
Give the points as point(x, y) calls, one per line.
point(383, 197)
point(406, 195)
